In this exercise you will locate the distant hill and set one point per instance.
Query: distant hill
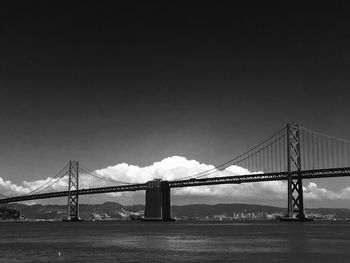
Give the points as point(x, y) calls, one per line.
point(196, 210)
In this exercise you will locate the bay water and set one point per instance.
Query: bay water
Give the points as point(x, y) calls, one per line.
point(191, 241)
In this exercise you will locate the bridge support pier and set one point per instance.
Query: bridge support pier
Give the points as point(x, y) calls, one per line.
point(73, 196)
point(158, 201)
point(295, 186)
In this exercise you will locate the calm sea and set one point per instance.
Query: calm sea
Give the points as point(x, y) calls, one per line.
point(113, 241)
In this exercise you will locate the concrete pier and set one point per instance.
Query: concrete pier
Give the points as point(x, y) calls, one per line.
point(158, 201)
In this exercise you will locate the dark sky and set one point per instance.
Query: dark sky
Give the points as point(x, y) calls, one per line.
point(136, 83)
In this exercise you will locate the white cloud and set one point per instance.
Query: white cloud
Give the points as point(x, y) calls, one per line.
point(170, 168)
point(176, 167)
point(9, 189)
point(313, 192)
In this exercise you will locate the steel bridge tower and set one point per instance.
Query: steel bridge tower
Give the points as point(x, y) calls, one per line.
point(73, 196)
point(295, 186)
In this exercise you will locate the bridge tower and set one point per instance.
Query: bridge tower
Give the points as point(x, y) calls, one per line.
point(73, 196)
point(158, 201)
point(295, 185)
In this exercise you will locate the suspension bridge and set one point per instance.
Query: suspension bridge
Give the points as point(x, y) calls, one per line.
point(292, 154)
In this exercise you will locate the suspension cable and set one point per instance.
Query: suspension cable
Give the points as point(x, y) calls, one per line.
point(325, 135)
point(53, 183)
point(94, 174)
point(224, 165)
point(43, 185)
point(235, 163)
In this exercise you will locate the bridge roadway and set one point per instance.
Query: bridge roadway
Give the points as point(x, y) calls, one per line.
point(238, 179)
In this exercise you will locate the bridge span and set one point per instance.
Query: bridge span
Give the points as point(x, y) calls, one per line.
point(279, 158)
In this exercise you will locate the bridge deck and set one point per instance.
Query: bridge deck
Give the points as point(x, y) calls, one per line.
point(238, 179)
point(261, 177)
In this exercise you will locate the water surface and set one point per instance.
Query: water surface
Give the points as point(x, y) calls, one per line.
point(115, 241)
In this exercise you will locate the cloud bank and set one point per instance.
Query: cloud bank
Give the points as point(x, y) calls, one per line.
point(176, 167)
